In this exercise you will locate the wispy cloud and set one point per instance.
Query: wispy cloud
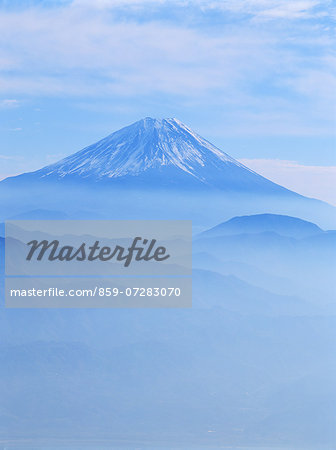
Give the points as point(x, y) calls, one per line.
point(72, 52)
point(87, 49)
point(10, 158)
point(9, 103)
point(312, 181)
point(265, 9)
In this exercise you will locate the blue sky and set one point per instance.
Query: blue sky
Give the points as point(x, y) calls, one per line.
point(255, 77)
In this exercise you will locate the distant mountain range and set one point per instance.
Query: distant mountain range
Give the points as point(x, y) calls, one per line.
point(256, 345)
point(279, 253)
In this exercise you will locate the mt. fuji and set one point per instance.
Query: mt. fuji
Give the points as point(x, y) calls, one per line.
point(147, 144)
point(154, 168)
point(162, 152)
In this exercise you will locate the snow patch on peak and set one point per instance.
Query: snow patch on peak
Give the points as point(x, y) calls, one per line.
point(147, 144)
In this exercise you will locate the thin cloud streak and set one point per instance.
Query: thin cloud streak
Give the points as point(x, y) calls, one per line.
point(259, 9)
point(9, 103)
point(312, 181)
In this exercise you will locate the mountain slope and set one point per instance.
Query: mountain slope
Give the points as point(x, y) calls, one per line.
point(156, 152)
point(259, 223)
point(146, 144)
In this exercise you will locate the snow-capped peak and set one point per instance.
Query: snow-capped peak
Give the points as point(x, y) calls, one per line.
point(146, 144)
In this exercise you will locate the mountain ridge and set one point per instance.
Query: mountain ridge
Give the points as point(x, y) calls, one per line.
point(155, 152)
point(284, 225)
point(145, 144)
